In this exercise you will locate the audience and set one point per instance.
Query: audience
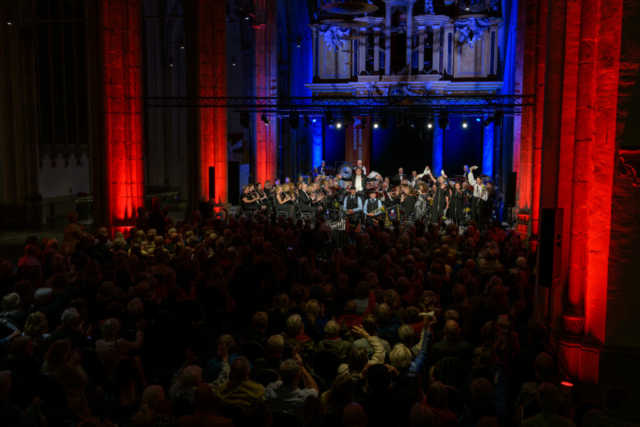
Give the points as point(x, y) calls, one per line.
point(426, 326)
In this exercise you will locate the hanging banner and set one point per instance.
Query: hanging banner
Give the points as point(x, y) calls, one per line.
point(358, 142)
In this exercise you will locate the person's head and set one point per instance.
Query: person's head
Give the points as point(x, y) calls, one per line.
point(260, 321)
point(405, 334)
point(544, 366)
point(616, 399)
point(457, 186)
point(290, 372)
point(370, 324)
point(275, 345)
point(421, 416)
point(240, 370)
point(203, 397)
point(43, 296)
point(479, 180)
point(153, 397)
point(135, 307)
point(191, 376)
point(400, 356)
point(331, 329)
point(459, 293)
point(481, 391)
point(10, 302)
point(451, 329)
point(58, 352)
point(549, 397)
point(358, 171)
point(110, 329)
point(352, 191)
point(71, 318)
point(437, 395)
point(228, 341)
point(400, 171)
point(36, 325)
point(354, 416)
point(294, 325)
point(72, 217)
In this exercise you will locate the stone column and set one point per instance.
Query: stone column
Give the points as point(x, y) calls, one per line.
point(376, 49)
point(487, 149)
point(438, 147)
point(121, 149)
point(362, 51)
point(421, 48)
point(409, 35)
point(207, 68)
point(387, 38)
point(265, 48)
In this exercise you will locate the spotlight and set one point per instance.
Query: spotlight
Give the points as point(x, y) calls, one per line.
point(246, 12)
point(498, 116)
point(244, 119)
point(265, 119)
point(298, 41)
point(307, 122)
point(9, 21)
point(429, 123)
point(171, 62)
point(412, 123)
point(182, 43)
point(465, 123)
point(294, 120)
point(478, 119)
point(384, 122)
point(443, 121)
point(486, 122)
point(314, 120)
point(339, 124)
point(233, 61)
point(329, 117)
point(375, 123)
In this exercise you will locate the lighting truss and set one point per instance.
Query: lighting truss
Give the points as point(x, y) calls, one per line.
point(318, 105)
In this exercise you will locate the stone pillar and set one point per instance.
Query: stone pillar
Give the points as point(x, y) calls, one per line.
point(387, 38)
point(265, 48)
point(376, 49)
point(207, 68)
point(487, 149)
point(318, 137)
point(409, 35)
point(421, 47)
point(121, 149)
point(20, 199)
point(435, 53)
point(362, 51)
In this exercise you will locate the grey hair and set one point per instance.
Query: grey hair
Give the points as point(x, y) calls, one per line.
point(294, 324)
point(290, 372)
point(70, 316)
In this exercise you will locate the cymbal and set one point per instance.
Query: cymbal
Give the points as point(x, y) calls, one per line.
point(350, 8)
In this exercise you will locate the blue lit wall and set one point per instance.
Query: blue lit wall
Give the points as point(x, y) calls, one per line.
point(334, 146)
point(407, 148)
point(317, 133)
point(462, 146)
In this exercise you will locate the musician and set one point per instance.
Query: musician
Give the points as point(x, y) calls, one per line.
point(300, 181)
point(320, 170)
point(305, 201)
point(466, 172)
point(407, 201)
point(353, 206)
point(287, 180)
point(359, 165)
point(264, 197)
point(284, 200)
point(358, 181)
point(440, 197)
point(414, 180)
point(480, 196)
point(491, 200)
point(372, 205)
point(456, 204)
point(385, 195)
point(400, 176)
point(423, 202)
point(249, 202)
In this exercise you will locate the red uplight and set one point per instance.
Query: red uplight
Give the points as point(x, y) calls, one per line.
point(566, 383)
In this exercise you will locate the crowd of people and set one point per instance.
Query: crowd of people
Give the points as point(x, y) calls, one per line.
point(258, 320)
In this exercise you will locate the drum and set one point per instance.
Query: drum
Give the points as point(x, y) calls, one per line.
point(346, 170)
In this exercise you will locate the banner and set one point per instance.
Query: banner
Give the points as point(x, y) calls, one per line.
point(358, 142)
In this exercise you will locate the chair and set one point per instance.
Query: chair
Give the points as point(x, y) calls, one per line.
point(232, 411)
point(280, 213)
point(321, 384)
point(252, 351)
point(284, 419)
point(266, 377)
point(325, 365)
point(456, 401)
point(451, 372)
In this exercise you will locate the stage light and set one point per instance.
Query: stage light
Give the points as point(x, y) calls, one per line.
point(384, 122)
point(498, 117)
point(329, 117)
point(443, 121)
point(9, 21)
point(171, 62)
point(233, 61)
point(478, 119)
point(298, 41)
point(182, 43)
point(339, 124)
point(244, 119)
point(314, 120)
point(375, 123)
point(307, 122)
point(487, 121)
point(294, 120)
point(465, 123)
point(412, 123)
point(265, 119)
point(429, 123)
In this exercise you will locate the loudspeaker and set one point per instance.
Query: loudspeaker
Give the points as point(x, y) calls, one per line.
point(512, 186)
point(212, 182)
point(550, 247)
point(233, 180)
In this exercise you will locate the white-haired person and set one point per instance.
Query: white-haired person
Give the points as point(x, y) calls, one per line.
point(112, 349)
point(73, 329)
point(334, 343)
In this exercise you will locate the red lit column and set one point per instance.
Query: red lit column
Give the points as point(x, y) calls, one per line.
point(265, 48)
point(207, 68)
point(122, 112)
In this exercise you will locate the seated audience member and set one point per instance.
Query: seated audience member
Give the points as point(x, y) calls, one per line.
point(370, 324)
point(72, 329)
point(333, 343)
point(285, 395)
point(260, 324)
point(150, 412)
point(451, 345)
point(275, 346)
point(549, 400)
point(112, 349)
point(204, 416)
point(294, 336)
point(421, 416)
point(240, 390)
point(437, 400)
point(354, 416)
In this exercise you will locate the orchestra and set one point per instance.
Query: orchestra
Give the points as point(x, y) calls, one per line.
point(368, 200)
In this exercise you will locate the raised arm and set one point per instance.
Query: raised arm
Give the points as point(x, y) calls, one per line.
point(472, 180)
